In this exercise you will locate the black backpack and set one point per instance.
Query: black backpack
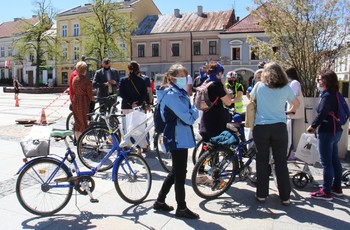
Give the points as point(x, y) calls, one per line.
point(159, 124)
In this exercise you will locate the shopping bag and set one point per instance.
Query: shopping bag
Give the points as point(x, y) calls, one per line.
point(37, 143)
point(307, 149)
point(135, 126)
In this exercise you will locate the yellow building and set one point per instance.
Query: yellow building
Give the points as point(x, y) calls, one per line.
point(71, 38)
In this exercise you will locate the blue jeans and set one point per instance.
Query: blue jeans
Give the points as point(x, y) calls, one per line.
point(332, 170)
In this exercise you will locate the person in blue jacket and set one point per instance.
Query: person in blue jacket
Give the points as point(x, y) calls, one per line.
point(179, 115)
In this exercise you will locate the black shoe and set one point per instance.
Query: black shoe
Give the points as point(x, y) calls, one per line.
point(162, 207)
point(186, 213)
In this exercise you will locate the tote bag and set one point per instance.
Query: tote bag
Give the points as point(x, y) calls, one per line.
point(250, 114)
point(307, 149)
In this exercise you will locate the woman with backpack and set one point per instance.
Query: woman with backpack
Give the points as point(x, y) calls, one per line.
point(214, 120)
point(329, 134)
point(179, 115)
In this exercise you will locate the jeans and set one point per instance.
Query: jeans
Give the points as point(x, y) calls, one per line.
point(177, 176)
point(332, 169)
point(274, 136)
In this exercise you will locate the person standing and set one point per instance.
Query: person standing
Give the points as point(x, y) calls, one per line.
point(81, 99)
point(237, 91)
point(106, 81)
point(214, 120)
point(329, 134)
point(179, 115)
point(270, 130)
point(16, 86)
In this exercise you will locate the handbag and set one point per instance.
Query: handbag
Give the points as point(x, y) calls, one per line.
point(300, 111)
point(250, 114)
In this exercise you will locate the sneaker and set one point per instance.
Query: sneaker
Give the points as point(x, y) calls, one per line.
point(158, 206)
point(321, 195)
point(286, 202)
point(337, 192)
point(186, 213)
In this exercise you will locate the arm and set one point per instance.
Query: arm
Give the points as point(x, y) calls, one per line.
point(181, 109)
point(323, 110)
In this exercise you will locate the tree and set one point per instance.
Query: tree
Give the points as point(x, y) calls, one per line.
point(106, 30)
point(36, 40)
point(310, 33)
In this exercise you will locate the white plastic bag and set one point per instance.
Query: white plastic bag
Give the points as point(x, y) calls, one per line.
point(135, 125)
point(37, 143)
point(307, 149)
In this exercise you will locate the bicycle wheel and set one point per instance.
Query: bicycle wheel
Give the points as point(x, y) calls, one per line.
point(93, 145)
point(164, 156)
point(197, 151)
point(214, 172)
point(33, 187)
point(133, 179)
point(70, 124)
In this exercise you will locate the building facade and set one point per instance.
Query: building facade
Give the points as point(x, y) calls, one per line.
point(69, 30)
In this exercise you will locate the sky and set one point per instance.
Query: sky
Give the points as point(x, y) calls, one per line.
point(24, 8)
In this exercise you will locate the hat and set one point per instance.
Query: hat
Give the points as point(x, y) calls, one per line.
point(237, 118)
point(231, 74)
point(106, 61)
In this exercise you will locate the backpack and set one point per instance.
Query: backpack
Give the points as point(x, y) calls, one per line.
point(343, 110)
point(159, 124)
point(201, 100)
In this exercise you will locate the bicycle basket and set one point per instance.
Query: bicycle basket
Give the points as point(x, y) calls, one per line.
point(37, 143)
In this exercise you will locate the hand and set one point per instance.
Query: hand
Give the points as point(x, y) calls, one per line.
point(112, 82)
point(310, 129)
point(134, 104)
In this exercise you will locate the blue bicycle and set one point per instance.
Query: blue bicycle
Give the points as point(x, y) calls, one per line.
point(45, 184)
point(218, 166)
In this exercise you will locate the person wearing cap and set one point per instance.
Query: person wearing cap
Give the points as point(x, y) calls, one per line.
point(106, 82)
point(237, 91)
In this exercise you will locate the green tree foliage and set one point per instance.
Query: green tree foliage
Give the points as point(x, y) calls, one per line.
point(106, 30)
point(37, 40)
point(310, 33)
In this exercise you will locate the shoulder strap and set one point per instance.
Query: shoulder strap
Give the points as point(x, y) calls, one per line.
point(135, 87)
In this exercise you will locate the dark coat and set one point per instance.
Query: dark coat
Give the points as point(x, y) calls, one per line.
point(100, 79)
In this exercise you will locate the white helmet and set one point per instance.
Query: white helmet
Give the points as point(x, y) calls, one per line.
point(231, 74)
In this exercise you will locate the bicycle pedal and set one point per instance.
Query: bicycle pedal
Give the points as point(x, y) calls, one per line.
point(94, 200)
point(61, 180)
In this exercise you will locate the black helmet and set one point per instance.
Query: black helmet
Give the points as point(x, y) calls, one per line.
point(261, 64)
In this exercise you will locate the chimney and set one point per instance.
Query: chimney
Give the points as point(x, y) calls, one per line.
point(177, 13)
point(237, 19)
point(200, 11)
point(16, 19)
point(34, 16)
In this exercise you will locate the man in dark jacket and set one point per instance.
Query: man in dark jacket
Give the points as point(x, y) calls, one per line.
point(106, 81)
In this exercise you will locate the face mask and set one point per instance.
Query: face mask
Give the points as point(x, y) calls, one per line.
point(106, 68)
point(181, 82)
point(320, 88)
point(230, 81)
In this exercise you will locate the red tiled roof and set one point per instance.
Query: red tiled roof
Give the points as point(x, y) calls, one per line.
point(249, 24)
point(210, 21)
point(9, 29)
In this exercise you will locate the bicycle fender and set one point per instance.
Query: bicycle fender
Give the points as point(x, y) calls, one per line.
point(27, 164)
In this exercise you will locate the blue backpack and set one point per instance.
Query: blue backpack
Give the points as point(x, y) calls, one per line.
point(343, 110)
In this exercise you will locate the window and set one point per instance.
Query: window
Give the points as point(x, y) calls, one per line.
point(76, 30)
point(76, 53)
point(31, 57)
point(175, 49)
point(346, 63)
point(196, 48)
point(64, 31)
point(254, 53)
point(9, 51)
point(109, 29)
point(141, 50)
point(212, 47)
point(236, 53)
point(64, 78)
point(122, 73)
point(2, 52)
point(275, 49)
point(64, 53)
point(155, 50)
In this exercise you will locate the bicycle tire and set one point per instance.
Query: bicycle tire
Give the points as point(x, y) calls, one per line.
point(93, 145)
point(196, 154)
point(30, 187)
point(70, 124)
point(208, 181)
point(164, 157)
point(133, 188)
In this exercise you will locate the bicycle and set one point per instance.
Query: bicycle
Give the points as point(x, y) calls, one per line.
point(94, 118)
point(93, 144)
point(217, 168)
point(45, 184)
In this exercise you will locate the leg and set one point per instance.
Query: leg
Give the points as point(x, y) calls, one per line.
point(180, 170)
point(336, 163)
point(279, 145)
point(325, 144)
point(261, 135)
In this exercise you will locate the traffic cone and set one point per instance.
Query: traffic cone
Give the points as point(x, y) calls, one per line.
point(43, 118)
point(17, 103)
